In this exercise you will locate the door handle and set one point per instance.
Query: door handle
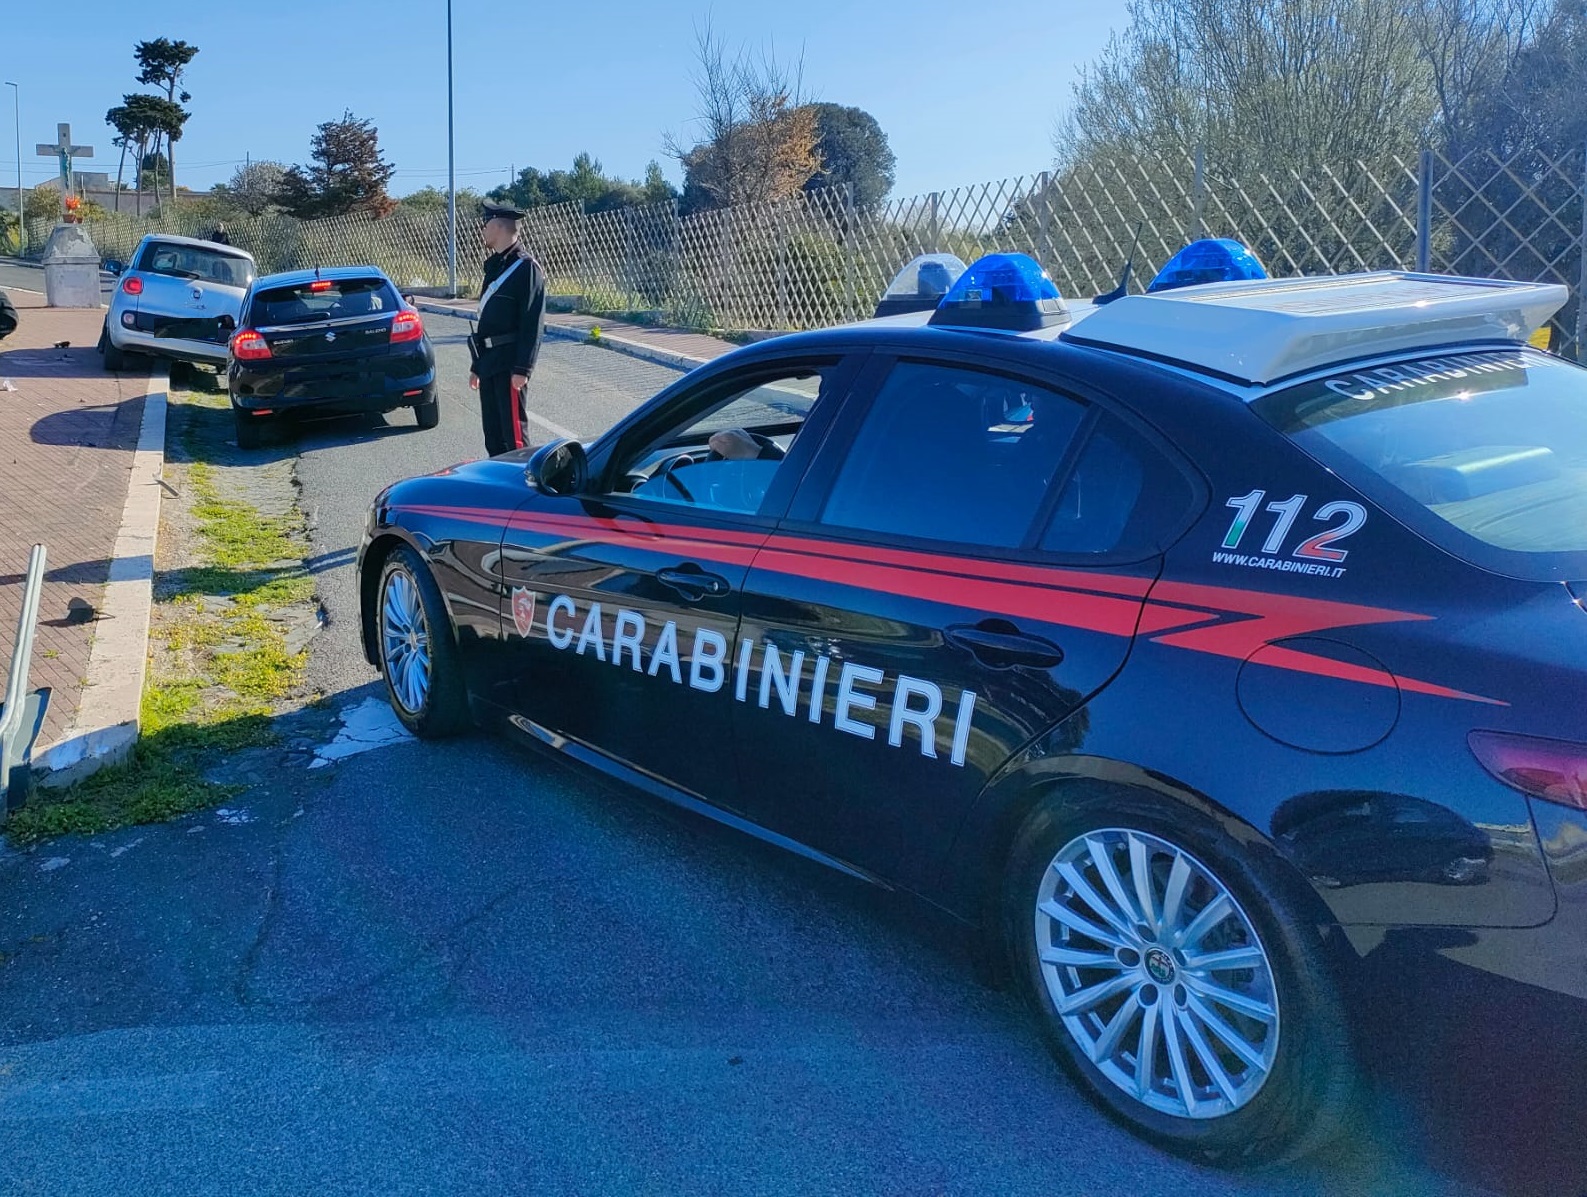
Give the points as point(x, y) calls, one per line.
point(692, 582)
point(1000, 644)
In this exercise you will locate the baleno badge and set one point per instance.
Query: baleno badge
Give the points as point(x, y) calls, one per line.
point(523, 610)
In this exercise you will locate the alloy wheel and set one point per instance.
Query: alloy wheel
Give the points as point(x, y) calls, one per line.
point(405, 641)
point(1156, 973)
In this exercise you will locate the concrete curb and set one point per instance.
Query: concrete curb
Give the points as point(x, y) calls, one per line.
point(637, 349)
point(107, 722)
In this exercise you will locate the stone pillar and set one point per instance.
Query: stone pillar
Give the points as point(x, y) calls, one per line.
point(71, 268)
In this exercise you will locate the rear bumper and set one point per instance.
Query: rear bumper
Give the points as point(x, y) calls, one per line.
point(329, 393)
point(179, 349)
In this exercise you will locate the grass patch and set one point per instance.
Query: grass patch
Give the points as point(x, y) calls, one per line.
point(215, 686)
point(156, 784)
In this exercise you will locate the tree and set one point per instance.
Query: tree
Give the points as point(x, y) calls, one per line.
point(1536, 106)
point(129, 133)
point(347, 174)
point(162, 63)
point(853, 150)
point(139, 120)
point(759, 136)
point(586, 184)
point(1265, 85)
point(433, 199)
point(1470, 47)
point(254, 187)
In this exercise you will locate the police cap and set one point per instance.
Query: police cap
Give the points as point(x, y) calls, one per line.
point(495, 211)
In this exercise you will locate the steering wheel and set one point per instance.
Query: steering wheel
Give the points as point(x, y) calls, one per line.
point(765, 442)
point(668, 477)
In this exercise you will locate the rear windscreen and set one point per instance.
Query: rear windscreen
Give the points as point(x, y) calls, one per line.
point(196, 262)
point(324, 299)
point(1484, 453)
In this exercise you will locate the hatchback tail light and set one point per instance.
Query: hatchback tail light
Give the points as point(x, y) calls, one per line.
point(249, 346)
point(132, 285)
point(1553, 770)
point(406, 327)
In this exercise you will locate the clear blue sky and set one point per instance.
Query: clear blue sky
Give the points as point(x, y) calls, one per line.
point(966, 91)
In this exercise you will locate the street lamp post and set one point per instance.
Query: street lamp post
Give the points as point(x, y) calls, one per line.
point(22, 226)
point(451, 173)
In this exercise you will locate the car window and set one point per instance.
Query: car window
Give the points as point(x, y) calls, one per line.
point(1484, 453)
point(195, 262)
point(324, 299)
point(1123, 496)
point(725, 458)
point(952, 454)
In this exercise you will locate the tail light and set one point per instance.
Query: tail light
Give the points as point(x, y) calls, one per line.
point(132, 285)
point(1553, 770)
point(406, 327)
point(249, 346)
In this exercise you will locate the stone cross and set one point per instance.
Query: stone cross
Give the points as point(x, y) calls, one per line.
point(65, 151)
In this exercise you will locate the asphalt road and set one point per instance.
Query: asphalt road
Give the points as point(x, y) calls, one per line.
point(465, 968)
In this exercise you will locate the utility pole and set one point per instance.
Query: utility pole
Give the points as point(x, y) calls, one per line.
point(451, 168)
point(22, 224)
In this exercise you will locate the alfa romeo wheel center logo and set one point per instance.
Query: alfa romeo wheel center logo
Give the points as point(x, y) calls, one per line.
point(1160, 965)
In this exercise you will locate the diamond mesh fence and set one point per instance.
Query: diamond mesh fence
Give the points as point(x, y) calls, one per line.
point(816, 259)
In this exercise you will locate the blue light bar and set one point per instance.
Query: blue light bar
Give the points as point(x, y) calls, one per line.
point(1208, 261)
point(1006, 291)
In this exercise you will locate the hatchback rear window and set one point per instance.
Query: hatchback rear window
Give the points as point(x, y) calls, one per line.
point(195, 262)
point(1483, 453)
point(324, 299)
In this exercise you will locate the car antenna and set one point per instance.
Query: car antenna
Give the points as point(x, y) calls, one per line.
point(1124, 279)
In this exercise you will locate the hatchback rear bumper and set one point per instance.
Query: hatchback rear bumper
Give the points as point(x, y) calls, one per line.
point(180, 349)
point(330, 392)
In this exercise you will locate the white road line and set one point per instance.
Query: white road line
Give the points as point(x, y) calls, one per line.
point(553, 429)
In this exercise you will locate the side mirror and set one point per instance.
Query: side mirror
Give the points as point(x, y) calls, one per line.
point(226, 323)
point(112, 266)
point(558, 468)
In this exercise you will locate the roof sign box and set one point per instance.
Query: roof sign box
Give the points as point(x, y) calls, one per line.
point(1003, 291)
point(1258, 332)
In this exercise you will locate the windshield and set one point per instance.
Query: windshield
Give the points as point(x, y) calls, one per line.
point(195, 262)
point(1484, 453)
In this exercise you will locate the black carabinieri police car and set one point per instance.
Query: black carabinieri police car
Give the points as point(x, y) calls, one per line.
point(1185, 647)
point(328, 342)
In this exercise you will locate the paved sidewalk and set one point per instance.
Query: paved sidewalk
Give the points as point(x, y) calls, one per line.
point(67, 435)
point(668, 346)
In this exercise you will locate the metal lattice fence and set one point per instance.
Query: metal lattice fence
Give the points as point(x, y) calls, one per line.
point(817, 259)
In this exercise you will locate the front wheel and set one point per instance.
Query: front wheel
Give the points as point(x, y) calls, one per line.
point(1177, 981)
point(418, 658)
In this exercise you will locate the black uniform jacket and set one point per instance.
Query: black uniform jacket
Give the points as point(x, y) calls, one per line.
point(507, 335)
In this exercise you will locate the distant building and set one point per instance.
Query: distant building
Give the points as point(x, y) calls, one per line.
point(100, 188)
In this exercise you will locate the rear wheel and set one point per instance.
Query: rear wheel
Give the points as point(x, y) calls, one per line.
point(250, 434)
point(115, 359)
point(418, 658)
point(1177, 981)
point(428, 414)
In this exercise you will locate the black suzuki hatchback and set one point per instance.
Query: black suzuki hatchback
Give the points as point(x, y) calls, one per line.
point(1194, 649)
point(328, 342)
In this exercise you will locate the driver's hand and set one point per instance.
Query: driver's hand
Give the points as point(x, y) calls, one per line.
point(734, 444)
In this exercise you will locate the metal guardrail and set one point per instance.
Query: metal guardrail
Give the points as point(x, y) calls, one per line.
point(22, 713)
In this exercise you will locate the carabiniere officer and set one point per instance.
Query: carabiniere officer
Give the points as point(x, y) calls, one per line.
point(506, 337)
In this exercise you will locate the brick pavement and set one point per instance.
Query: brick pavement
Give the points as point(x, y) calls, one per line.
point(67, 435)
